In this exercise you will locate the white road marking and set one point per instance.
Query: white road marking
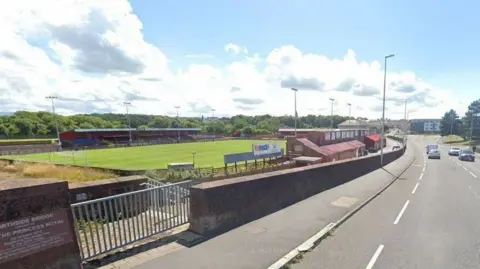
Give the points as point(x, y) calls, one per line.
point(421, 176)
point(374, 257)
point(465, 168)
point(473, 175)
point(415, 188)
point(423, 170)
point(401, 212)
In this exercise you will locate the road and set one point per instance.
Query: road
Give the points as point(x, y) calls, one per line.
point(429, 218)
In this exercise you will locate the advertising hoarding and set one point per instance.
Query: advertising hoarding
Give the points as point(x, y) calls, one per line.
point(260, 149)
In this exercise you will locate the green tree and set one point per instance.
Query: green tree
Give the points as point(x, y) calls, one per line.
point(450, 123)
point(473, 111)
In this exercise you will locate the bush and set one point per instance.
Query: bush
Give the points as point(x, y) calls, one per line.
point(396, 138)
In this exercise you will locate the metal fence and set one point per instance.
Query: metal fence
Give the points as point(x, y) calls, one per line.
point(109, 223)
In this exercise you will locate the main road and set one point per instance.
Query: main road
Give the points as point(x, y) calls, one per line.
point(429, 218)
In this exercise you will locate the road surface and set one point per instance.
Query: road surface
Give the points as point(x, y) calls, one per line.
point(429, 218)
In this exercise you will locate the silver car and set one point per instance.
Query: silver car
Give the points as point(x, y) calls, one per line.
point(434, 154)
point(454, 151)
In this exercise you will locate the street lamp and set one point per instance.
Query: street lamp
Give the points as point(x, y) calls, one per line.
point(213, 125)
point(331, 114)
point(295, 107)
point(178, 125)
point(383, 108)
point(55, 118)
point(405, 127)
point(349, 110)
point(127, 104)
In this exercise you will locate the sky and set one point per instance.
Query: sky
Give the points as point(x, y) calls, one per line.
point(239, 57)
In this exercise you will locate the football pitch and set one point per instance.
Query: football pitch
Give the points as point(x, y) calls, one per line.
point(207, 154)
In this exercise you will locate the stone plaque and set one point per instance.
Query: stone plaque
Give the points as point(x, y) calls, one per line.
point(26, 236)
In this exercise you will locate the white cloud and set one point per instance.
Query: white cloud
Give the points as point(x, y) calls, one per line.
point(199, 56)
point(94, 56)
point(235, 49)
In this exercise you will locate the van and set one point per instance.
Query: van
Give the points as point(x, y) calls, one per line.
point(431, 147)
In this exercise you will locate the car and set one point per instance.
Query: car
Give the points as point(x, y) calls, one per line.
point(434, 154)
point(454, 151)
point(466, 155)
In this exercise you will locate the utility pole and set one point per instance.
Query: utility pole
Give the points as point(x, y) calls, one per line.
point(178, 125)
point(383, 108)
point(127, 104)
point(331, 113)
point(295, 107)
point(349, 110)
point(213, 125)
point(52, 98)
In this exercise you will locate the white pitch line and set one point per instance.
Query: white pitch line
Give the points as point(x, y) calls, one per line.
point(473, 175)
point(401, 212)
point(374, 257)
point(415, 188)
point(421, 176)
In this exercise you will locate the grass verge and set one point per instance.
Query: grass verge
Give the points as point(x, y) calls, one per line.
point(40, 170)
point(449, 139)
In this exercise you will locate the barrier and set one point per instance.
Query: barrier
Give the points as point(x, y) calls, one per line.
point(219, 206)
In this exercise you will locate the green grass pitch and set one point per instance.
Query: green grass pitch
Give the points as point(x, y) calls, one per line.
point(208, 154)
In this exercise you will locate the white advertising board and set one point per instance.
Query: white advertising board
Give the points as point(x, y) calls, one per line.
point(266, 148)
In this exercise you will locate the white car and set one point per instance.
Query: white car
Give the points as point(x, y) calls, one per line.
point(454, 152)
point(434, 154)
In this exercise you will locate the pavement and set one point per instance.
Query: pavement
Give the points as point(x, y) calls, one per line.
point(428, 219)
point(261, 243)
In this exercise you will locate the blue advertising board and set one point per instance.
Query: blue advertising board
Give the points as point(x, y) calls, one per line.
point(249, 156)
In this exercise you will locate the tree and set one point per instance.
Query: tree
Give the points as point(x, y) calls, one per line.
point(450, 123)
point(473, 111)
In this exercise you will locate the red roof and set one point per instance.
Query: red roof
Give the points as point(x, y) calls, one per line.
point(374, 137)
point(340, 147)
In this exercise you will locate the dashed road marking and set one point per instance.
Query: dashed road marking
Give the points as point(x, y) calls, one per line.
point(415, 188)
point(375, 257)
point(473, 175)
point(465, 168)
point(421, 176)
point(401, 212)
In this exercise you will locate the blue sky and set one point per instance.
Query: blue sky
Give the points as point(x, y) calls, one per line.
point(437, 42)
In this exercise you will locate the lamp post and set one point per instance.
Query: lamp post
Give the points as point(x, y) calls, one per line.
point(295, 107)
point(52, 98)
point(213, 125)
point(193, 158)
point(178, 125)
point(349, 110)
point(383, 108)
point(127, 104)
point(331, 113)
point(405, 127)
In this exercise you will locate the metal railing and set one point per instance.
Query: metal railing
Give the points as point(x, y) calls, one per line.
point(110, 223)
